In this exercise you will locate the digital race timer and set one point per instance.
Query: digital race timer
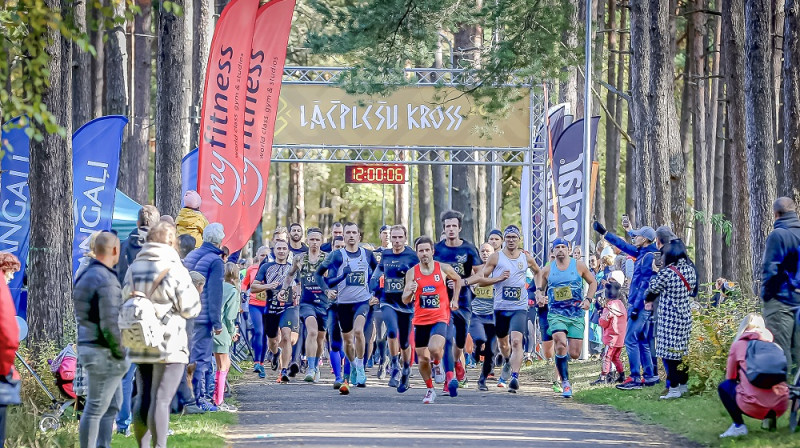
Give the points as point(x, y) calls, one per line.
point(375, 174)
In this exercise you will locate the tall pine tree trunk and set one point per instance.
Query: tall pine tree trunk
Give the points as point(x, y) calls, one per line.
point(424, 194)
point(791, 98)
point(203, 30)
point(568, 89)
point(98, 62)
point(117, 69)
point(81, 71)
point(715, 148)
point(759, 125)
point(701, 147)
point(679, 192)
point(134, 179)
point(297, 193)
point(50, 315)
point(663, 131)
point(776, 28)
point(441, 188)
point(640, 112)
point(612, 133)
point(465, 177)
point(729, 252)
point(169, 111)
point(187, 92)
point(733, 44)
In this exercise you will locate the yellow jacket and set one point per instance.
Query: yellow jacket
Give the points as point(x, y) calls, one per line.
point(191, 222)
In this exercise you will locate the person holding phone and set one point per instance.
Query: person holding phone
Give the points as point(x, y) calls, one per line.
point(637, 339)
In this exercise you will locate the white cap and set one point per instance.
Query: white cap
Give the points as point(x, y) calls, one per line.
point(607, 251)
point(618, 276)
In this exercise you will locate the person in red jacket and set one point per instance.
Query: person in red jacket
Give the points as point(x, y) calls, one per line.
point(9, 343)
point(738, 395)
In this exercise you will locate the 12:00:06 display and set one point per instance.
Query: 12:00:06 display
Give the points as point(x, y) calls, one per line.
point(375, 174)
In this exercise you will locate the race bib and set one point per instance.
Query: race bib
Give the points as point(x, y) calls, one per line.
point(357, 278)
point(459, 268)
point(484, 292)
point(394, 285)
point(429, 301)
point(512, 293)
point(562, 293)
point(311, 284)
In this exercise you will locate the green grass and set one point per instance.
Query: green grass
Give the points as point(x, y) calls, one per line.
point(193, 431)
point(700, 418)
point(190, 431)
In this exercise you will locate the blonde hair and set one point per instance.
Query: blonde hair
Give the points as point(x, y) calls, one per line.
point(92, 239)
point(231, 273)
point(750, 322)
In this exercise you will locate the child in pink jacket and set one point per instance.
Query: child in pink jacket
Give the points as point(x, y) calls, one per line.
point(614, 322)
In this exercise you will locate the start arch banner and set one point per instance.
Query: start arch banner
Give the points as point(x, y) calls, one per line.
point(424, 116)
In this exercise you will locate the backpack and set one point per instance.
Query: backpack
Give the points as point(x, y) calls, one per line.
point(140, 327)
point(64, 368)
point(766, 364)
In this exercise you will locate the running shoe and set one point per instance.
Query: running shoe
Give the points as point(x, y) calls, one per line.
point(600, 381)
point(505, 374)
point(361, 377)
point(430, 396)
point(275, 361)
point(256, 366)
point(464, 383)
point(461, 373)
point(482, 384)
point(394, 378)
point(734, 431)
point(310, 374)
point(513, 385)
point(317, 375)
point(294, 369)
point(191, 409)
point(261, 372)
point(438, 374)
point(337, 383)
point(284, 376)
point(353, 375)
point(225, 407)
point(501, 382)
point(452, 387)
point(567, 389)
point(630, 384)
point(557, 387)
point(684, 388)
point(673, 392)
point(652, 380)
point(206, 406)
point(344, 389)
point(381, 372)
point(405, 381)
point(370, 363)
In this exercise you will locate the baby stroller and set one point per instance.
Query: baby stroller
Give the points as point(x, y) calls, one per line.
point(63, 369)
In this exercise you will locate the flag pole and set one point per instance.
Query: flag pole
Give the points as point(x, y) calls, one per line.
point(587, 159)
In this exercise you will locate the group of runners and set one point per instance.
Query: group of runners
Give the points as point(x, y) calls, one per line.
point(428, 297)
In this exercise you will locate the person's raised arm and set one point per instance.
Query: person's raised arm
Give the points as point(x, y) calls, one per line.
point(541, 291)
point(451, 273)
point(410, 288)
point(584, 271)
point(485, 278)
point(287, 283)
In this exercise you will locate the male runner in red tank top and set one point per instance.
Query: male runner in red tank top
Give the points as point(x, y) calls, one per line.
point(425, 284)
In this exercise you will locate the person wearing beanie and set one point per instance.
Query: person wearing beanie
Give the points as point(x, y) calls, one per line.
point(190, 220)
point(495, 238)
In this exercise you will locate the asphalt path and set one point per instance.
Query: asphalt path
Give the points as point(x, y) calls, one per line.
point(304, 414)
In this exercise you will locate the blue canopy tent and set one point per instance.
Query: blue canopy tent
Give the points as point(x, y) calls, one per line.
point(126, 211)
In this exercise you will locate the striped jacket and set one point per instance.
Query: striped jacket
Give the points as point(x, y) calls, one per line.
point(175, 300)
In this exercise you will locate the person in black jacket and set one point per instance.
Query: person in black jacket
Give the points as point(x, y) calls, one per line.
point(148, 217)
point(98, 297)
point(780, 285)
